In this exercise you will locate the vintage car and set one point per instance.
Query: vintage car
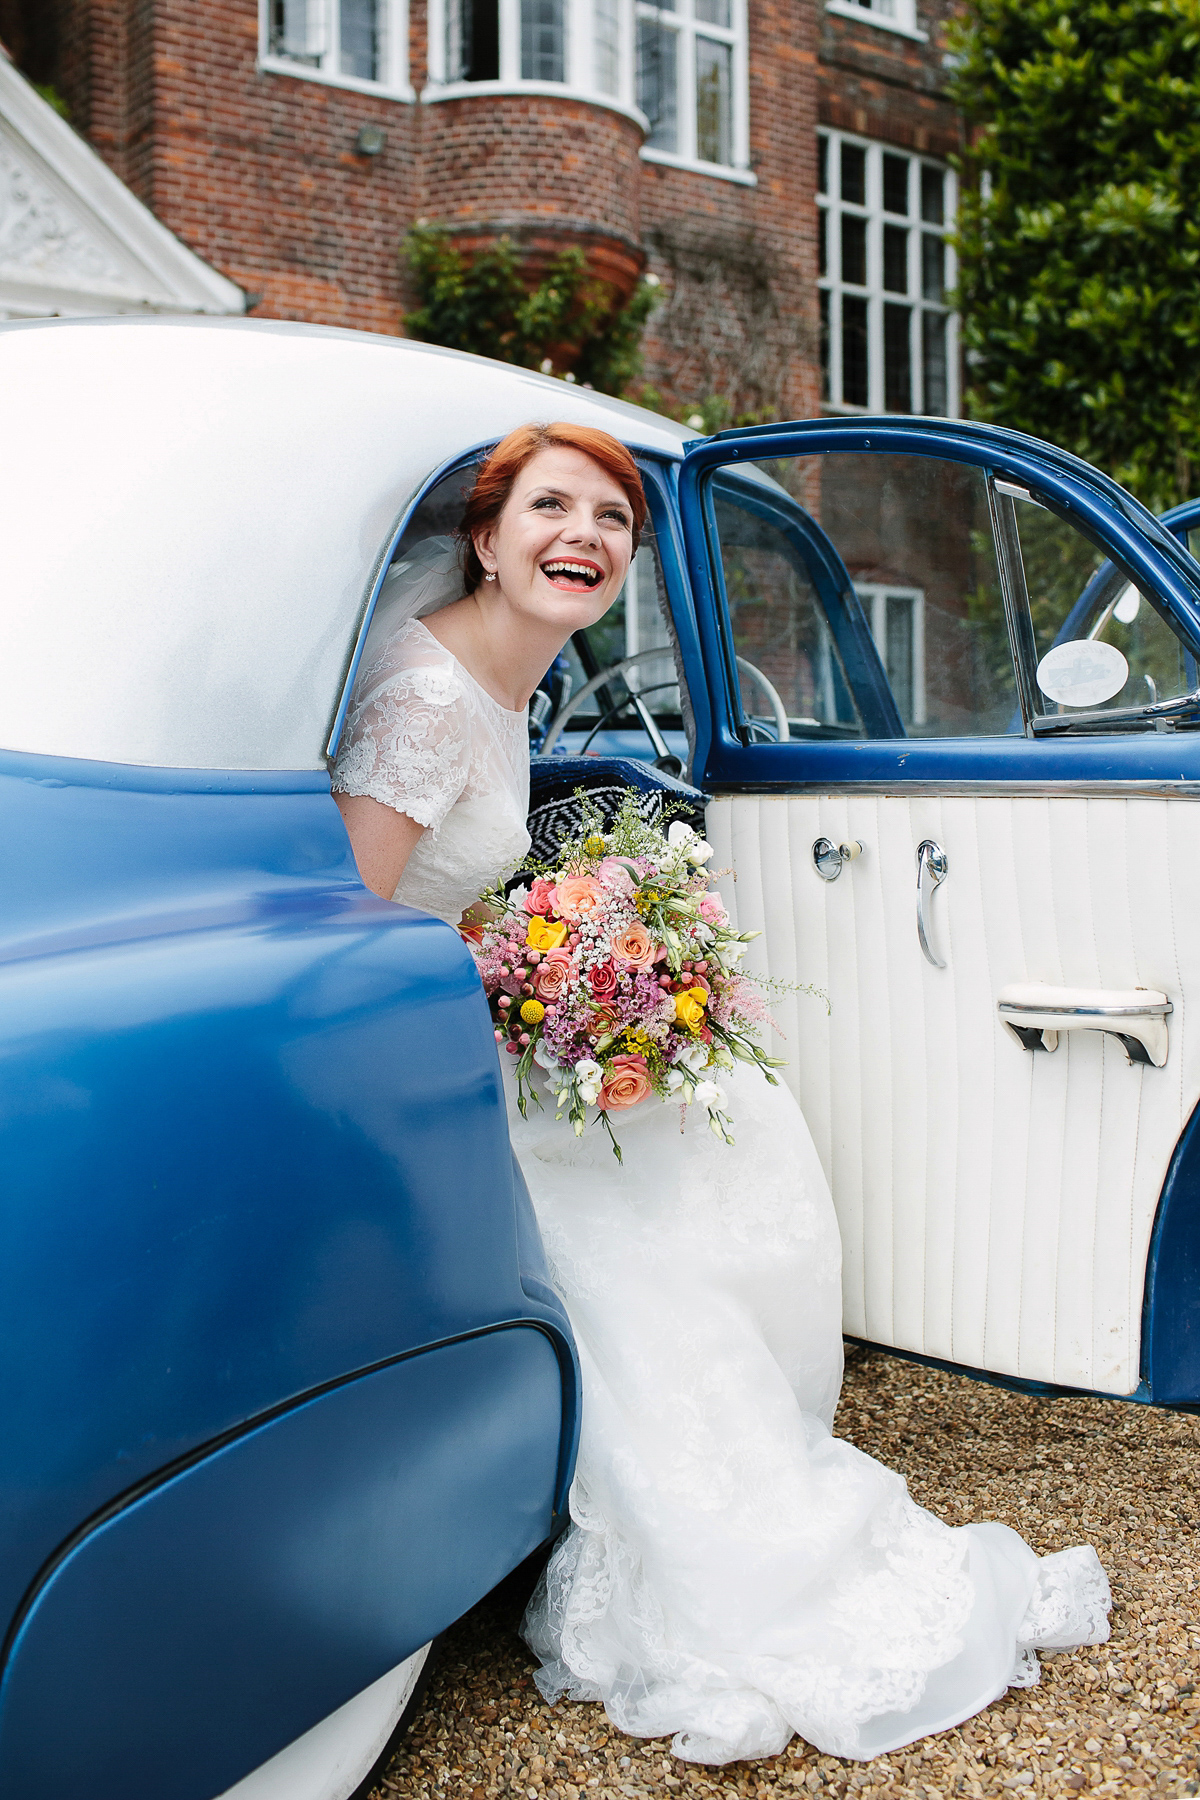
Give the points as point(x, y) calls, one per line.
point(286, 1387)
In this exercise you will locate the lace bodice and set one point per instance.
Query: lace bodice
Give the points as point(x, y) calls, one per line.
point(422, 736)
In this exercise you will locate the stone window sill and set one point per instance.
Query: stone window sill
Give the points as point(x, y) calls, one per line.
point(846, 9)
point(283, 65)
point(693, 165)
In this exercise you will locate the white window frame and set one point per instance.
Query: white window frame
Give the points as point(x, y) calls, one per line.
point(887, 15)
point(392, 83)
point(873, 597)
point(581, 82)
point(833, 208)
point(682, 20)
point(582, 75)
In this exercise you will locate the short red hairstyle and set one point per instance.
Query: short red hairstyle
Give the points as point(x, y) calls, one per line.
point(498, 471)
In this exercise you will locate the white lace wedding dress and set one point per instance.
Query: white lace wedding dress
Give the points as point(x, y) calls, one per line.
point(733, 1573)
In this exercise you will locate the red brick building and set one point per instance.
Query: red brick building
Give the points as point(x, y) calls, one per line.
point(777, 163)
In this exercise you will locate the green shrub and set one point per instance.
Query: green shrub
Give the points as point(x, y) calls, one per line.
point(1079, 234)
point(570, 322)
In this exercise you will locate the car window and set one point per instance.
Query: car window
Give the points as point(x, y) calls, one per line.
point(606, 720)
point(914, 568)
point(634, 626)
point(782, 637)
point(1099, 644)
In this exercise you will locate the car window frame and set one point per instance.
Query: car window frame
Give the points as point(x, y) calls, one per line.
point(1123, 529)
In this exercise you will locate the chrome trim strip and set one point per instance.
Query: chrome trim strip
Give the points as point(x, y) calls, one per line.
point(1012, 1009)
point(975, 790)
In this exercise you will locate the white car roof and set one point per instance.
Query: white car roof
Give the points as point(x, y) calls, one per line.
point(193, 516)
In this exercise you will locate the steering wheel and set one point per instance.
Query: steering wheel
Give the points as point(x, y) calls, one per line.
point(629, 662)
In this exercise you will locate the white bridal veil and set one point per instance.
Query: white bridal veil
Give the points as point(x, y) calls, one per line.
point(427, 578)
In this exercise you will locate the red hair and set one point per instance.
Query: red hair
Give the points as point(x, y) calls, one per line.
point(498, 472)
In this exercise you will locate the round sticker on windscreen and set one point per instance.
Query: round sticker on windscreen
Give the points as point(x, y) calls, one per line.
point(1083, 673)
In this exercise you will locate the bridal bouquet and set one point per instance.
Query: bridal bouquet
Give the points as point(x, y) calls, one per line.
point(616, 971)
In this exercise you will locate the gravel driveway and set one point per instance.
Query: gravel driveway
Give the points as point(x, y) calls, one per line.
point(1114, 1720)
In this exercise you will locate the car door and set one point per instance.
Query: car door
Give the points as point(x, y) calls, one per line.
point(979, 837)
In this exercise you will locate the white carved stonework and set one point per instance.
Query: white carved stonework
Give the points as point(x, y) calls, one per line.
point(37, 232)
point(73, 239)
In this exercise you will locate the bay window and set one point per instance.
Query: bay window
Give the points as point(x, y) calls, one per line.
point(352, 43)
point(677, 67)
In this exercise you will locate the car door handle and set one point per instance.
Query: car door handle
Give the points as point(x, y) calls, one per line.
point(1035, 1015)
point(933, 865)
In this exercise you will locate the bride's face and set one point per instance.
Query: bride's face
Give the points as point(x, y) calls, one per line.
point(561, 548)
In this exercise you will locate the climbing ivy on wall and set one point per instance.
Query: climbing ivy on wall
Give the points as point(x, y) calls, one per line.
point(1079, 233)
point(565, 320)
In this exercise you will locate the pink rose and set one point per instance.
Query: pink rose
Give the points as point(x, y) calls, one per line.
point(615, 875)
point(627, 1082)
point(576, 897)
point(553, 975)
point(540, 898)
point(603, 978)
point(712, 909)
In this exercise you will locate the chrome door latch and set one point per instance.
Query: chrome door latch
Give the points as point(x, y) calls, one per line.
point(933, 865)
point(829, 858)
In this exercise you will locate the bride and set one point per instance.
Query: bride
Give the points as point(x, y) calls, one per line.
point(733, 1573)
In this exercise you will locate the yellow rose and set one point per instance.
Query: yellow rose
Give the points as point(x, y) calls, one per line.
point(689, 1007)
point(532, 1012)
point(545, 934)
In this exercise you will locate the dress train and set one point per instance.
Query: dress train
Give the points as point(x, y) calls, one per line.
point(733, 1573)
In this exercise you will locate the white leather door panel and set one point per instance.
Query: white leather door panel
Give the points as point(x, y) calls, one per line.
point(995, 1204)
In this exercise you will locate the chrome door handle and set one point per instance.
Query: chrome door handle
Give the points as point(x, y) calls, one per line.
point(933, 865)
point(1036, 1014)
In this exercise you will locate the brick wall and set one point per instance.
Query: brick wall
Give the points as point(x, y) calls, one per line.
point(546, 171)
point(739, 262)
point(880, 84)
point(258, 173)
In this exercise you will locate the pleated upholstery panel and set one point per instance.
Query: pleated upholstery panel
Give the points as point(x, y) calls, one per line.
point(995, 1205)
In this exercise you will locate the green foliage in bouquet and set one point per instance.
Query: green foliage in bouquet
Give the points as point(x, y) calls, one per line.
point(483, 302)
point(1079, 235)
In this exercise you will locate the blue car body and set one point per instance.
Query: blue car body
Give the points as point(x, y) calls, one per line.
point(287, 1387)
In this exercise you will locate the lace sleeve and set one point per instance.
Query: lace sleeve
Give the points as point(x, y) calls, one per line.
point(407, 741)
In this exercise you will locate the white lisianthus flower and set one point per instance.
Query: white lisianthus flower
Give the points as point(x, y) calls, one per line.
point(688, 843)
point(721, 1056)
point(675, 1080)
point(518, 897)
point(710, 1095)
point(588, 1078)
point(543, 1058)
point(693, 1058)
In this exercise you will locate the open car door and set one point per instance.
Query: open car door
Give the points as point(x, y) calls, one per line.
point(973, 820)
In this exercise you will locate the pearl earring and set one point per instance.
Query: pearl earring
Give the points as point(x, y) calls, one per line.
point(490, 575)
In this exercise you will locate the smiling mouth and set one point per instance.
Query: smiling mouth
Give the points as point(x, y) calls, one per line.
point(575, 577)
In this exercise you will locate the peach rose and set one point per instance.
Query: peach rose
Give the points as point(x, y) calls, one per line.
point(634, 945)
point(539, 898)
point(627, 1082)
point(577, 896)
point(553, 974)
